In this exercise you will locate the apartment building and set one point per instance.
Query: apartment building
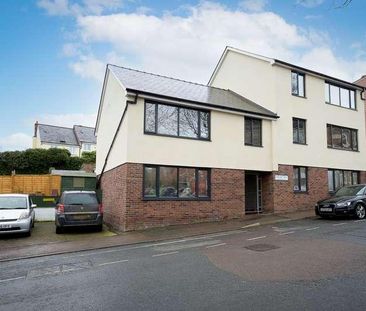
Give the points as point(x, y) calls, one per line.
point(76, 139)
point(262, 136)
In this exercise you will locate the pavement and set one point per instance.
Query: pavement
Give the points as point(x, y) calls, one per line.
point(292, 264)
point(45, 242)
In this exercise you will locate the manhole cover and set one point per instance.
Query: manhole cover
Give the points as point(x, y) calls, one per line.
point(261, 247)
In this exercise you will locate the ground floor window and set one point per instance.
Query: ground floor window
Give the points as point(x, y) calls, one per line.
point(169, 182)
point(340, 178)
point(300, 179)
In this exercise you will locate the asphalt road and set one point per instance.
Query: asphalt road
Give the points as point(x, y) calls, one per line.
point(310, 264)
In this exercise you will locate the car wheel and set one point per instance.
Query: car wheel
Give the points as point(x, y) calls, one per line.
point(59, 230)
point(33, 224)
point(100, 228)
point(360, 211)
point(29, 233)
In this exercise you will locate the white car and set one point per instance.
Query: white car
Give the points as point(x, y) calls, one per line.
point(16, 214)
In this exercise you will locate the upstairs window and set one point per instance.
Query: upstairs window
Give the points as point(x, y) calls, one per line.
point(299, 131)
point(340, 96)
point(342, 138)
point(297, 84)
point(168, 120)
point(253, 132)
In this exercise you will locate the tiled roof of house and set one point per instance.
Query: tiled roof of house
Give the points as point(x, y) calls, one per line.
point(152, 84)
point(64, 135)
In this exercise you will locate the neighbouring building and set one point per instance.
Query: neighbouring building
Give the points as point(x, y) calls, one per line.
point(76, 139)
point(262, 136)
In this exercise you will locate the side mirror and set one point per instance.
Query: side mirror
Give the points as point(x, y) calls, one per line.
point(34, 205)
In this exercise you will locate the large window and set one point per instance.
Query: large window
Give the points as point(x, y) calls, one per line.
point(299, 131)
point(297, 84)
point(300, 179)
point(175, 121)
point(342, 138)
point(340, 178)
point(340, 96)
point(168, 182)
point(253, 132)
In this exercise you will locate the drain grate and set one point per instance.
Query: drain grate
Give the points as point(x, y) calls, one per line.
point(261, 247)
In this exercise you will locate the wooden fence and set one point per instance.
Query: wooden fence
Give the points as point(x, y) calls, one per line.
point(46, 185)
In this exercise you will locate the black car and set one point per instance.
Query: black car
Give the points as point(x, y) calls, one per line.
point(78, 208)
point(349, 200)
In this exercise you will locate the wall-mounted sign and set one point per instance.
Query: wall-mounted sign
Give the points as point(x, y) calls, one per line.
point(281, 177)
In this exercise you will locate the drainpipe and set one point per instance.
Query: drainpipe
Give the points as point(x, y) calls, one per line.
point(114, 139)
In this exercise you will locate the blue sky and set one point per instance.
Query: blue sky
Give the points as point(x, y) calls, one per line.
point(53, 52)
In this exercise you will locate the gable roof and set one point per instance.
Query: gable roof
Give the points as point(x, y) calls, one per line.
point(152, 84)
point(278, 62)
point(64, 135)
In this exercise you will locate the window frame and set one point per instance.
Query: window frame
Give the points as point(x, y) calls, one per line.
point(197, 197)
point(251, 119)
point(155, 132)
point(352, 131)
point(350, 90)
point(298, 135)
point(298, 168)
point(343, 177)
point(298, 73)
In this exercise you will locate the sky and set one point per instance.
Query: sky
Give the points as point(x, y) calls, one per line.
point(53, 53)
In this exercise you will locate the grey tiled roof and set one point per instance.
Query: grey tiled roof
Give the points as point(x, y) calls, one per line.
point(85, 134)
point(64, 135)
point(57, 134)
point(134, 80)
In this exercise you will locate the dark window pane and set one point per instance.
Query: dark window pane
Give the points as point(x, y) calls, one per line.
point(330, 181)
point(345, 98)
point(188, 123)
point(168, 181)
point(296, 179)
point(203, 183)
point(346, 138)
point(301, 85)
point(295, 130)
point(326, 92)
point(187, 183)
point(167, 120)
point(294, 86)
point(329, 136)
point(248, 131)
point(334, 95)
point(347, 177)
point(338, 179)
point(256, 134)
point(354, 178)
point(337, 137)
point(150, 182)
point(354, 140)
point(302, 138)
point(204, 124)
point(303, 179)
point(150, 118)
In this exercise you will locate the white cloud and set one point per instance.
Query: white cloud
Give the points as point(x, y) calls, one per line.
point(68, 120)
point(253, 5)
point(17, 141)
point(310, 3)
point(66, 7)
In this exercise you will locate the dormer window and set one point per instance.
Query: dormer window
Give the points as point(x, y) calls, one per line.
point(340, 96)
point(297, 84)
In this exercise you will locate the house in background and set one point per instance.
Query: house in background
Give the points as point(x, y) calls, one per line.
point(263, 136)
point(76, 139)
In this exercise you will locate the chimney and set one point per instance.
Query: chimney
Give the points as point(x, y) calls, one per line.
point(35, 129)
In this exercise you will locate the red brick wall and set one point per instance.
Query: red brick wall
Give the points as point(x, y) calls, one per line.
point(227, 200)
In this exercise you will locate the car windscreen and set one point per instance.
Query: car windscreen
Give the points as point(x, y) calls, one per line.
point(350, 191)
point(13, 202)
point(80, 198)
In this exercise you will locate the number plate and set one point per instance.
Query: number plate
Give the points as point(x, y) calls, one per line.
point(5, 226)
point(81, 217)
point(325, 209)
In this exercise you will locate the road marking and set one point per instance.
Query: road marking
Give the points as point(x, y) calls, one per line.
point(340, 224)
point(286, 233)
point(112, 262)
point(164, 254)
point(251, 225)
point(310, 229)
point(257, 238)
point(72, 269)
point(12, 279)
point(216, 245)
point(359, 220)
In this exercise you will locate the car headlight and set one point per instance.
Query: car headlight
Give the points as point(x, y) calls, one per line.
point(344, 204)
point(24, 215)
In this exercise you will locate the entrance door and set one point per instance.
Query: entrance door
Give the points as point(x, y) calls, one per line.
point(253, 193)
